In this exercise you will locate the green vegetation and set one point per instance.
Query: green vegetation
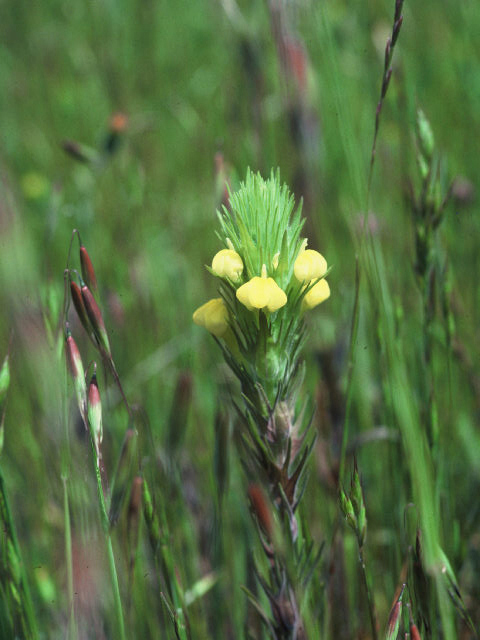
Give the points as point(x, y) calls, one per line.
point(129, 505)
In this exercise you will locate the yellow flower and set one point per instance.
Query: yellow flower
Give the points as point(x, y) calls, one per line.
point(309, 265)
point(262, 292)
point(317, 294)
point(213, 315)
point(227, 263)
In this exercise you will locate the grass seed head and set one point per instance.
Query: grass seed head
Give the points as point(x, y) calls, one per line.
point(347, 509)
point(94, 413)
point(77, 300)
point(395, 618)
point(96, 319)
point(88, 272)
point(77, 371)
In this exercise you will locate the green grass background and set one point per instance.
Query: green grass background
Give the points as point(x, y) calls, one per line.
point(195, 78)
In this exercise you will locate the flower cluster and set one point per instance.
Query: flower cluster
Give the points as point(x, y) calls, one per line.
point(293, 273)
point(268, 279)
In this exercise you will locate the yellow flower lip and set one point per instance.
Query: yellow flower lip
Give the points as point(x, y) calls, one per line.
point(309, 265)
point(262, 293)
point(213, 316)
point(227, 264)
point(317, 294)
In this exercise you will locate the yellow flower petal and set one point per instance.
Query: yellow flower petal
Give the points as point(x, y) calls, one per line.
point(309, 265)
point(317, 294)
point(213, 315)
point(227, 264)
point(261, 293)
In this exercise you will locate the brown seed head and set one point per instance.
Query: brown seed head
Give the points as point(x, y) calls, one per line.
point(79, 306)
point(96, 319)
point(88, 272)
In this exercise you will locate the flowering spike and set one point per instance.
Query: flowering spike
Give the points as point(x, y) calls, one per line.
point(316, 295)
point(96, 319)
point(347, 509)
point(94, 415)
point(213, 316)
point(88, 272)
point(309, 265)
point(75, 364)
point(227, 264)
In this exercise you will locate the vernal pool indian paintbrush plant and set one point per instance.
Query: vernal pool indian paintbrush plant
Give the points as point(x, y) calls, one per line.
point(267, 280)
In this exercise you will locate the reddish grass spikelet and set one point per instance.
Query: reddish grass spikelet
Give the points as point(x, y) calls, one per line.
point(88, 272)
point(94, 414)
point(395, 618)
point(75, 364)
point(261, 508)
point(77, 300)
point(96, 319)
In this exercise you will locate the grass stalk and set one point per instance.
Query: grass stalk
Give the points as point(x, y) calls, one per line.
point(105, 523)
point(368, 593)
point(72, 623)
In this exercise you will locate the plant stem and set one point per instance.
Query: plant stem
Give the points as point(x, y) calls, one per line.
point(116, 589)
point(111, 558)
point(368, 593)
point(72, 626)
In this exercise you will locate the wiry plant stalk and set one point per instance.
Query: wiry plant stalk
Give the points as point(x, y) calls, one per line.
point(387, 74)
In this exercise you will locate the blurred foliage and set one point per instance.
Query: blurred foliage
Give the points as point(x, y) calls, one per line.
point(123, 119)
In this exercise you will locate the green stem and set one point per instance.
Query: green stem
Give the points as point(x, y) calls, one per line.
point(72, 624)
point(116, 589)
point(368, 593)
point(24, 608)
point(111, 558)
point(351, 368)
